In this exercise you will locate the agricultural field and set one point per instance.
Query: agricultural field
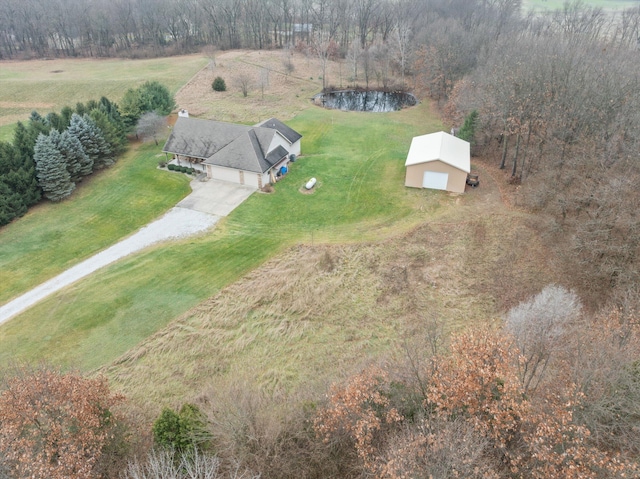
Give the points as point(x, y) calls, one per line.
point(49, 85)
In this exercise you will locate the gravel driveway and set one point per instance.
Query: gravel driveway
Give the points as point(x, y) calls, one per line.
point(196, 213)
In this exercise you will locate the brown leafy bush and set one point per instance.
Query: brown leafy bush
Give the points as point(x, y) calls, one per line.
point(359, 413)
point(53, 425)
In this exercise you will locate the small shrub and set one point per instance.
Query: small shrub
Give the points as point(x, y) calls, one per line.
point(182, 431)
point(171, 167)
point(468, 130)
point(219, 84)
point(162, 163)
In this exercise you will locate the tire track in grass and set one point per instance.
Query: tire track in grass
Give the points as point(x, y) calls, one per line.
point(359, 177)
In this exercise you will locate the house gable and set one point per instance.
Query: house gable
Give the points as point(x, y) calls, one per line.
point(287, 133)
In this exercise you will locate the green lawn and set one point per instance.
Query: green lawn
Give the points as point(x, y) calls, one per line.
point(114, 203)
point(49, 85)
point(358, 160)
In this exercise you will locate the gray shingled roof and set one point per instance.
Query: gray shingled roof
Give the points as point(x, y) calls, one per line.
point(228, 144)
point(290, 134)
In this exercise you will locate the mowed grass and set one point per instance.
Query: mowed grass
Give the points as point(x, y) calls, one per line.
point(104, 208)
point(358, 160)
point(49, 85)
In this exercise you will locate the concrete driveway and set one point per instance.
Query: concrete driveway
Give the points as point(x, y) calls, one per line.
point(215, 197)
point(198, 212)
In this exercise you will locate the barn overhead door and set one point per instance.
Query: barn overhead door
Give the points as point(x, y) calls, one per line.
point(435, 180)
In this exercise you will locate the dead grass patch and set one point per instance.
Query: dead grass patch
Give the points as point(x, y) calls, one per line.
point(272, 91)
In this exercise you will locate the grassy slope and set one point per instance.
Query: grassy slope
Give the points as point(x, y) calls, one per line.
point(316, 312)
point(52, 237)
point(360, 195)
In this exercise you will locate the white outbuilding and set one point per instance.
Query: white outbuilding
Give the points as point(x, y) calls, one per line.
point(439, 161)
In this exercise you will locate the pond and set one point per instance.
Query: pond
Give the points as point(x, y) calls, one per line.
point(365, 100)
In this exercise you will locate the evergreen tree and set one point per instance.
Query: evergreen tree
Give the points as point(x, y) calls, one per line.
point(66, 113)
point(111, 109)
point(219, 84)
point(468, 130)
point(17, 191)
point(77, 162)
point(51, 170)
point(73, 151)
point(156, 97)
point(55, 121)
point(24, 137)
point(80, 108)
point(105, 152)
point(11, 204)
point(91, 139)
point(112, 133)
point(91, 105)
point(35, 117)
point(131, 107)
point(22, 141)
point(152, 96)
point(21, 174)
point(18, 175)
point(115, 118)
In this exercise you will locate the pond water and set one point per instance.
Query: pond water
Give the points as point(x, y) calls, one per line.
point(358, 100)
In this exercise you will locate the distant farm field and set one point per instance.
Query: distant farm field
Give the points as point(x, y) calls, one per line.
point(49, 85)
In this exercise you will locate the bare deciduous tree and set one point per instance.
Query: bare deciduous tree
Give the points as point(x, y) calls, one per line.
point(166, 464)
point(244, 82)
point(150, 126)
point(322, 43)
point(538, 326)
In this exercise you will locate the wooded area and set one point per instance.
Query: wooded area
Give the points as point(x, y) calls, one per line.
point(552, 389)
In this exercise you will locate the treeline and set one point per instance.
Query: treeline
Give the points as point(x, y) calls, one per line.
point(552, 393)
point(49, 155)
point(558, 111)
point(52, 28)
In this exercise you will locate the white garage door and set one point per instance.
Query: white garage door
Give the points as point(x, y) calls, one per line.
point(435, 180)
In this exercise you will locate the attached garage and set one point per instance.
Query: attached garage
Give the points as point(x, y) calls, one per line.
point(438, 161)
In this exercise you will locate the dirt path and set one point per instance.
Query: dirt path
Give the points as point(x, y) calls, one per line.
point(176, 223)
